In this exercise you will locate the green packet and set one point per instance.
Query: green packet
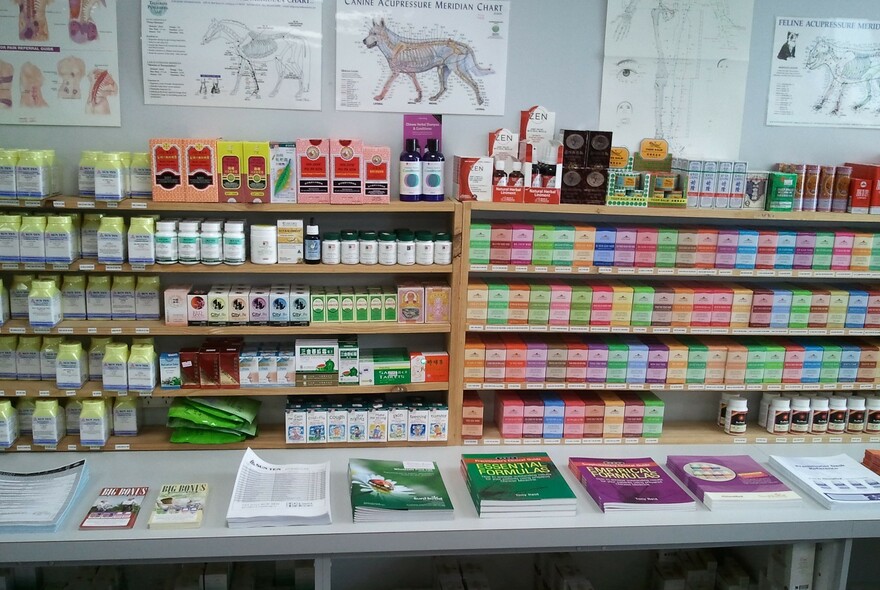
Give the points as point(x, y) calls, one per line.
point(204, 437)
point(247, 429)
point(180, 409)
point(230, 408)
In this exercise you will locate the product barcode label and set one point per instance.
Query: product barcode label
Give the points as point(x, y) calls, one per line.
point(93, 330)
point(612, 441)
point(70, 392)
point(761, 440)
point(141, 330)
point(112, 205)
point(85, 205)
point(87, 267)
point(10, 266)
point(23, 448)
point(65, 330)
point(113, 267)
point(116, 330)
point(138, 205)
point(20, 392)
point(43, 393)
point(122, 447)
point(59, 204)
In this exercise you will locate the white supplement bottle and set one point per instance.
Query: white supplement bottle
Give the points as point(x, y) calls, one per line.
point(211, 242)
point(330, 248)
point(264, 244)
point(406, 247)
point(166, 241)
point(836, 415)
point(736, 416)
point(234, 242)
point(442, 248)
point(855, 414)
point(188, 242)
point(779, 416)
point(818, 415)
point(387, 248)
point(800, 415)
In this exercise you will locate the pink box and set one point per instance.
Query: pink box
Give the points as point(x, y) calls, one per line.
point(597, 362)
point(377, 174)
point(704, 297)
point(560, 303)
point(594, 416)
point(515, 371)
point(499, 246)
point(766, 258)
point(841, 257)
point(533, 415)
point(600, 311)
point(578, 357)
point(625, 247)
point(793, 367)
point(521, 243)
point(725, 256)
point(803, 249)
point(573, 422)
point(346, 171)
point(633, 414)
point(707, 246)
point(496, 361)
point(872, 317)
point(646, 247)
point(313, 158)
point(536, 362)
point(722, 306)
point(509, 414)
point(557, 359)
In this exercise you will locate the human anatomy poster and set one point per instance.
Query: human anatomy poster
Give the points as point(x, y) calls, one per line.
point(59, 63)
point(825, 72)
point(421, 56)
point(259, 54)
point(676, 69)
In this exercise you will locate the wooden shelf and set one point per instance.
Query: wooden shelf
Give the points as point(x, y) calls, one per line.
point(47, 389)
point(649, 212)
point(158, 328)
point(695, 387)
point(674, 272)
point(682, 433)
point(91, 265)
point(676, 330)
point(156, 438)
point(84, 203)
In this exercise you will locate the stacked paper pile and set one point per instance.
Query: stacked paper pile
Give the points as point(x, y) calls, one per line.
point(213, 420)
point(872, 460)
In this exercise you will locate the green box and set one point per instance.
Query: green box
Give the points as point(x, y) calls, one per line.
point(539, 304)
point(319, 305)
point(391, 366)
point(543, 243)
point(642, 306)
point(830, 369)
point(499, 302)
point(780, 191)
point(348, 360)
point(346, 305)
point(652, 422)
point(667, 247)
point(361, 307)
point(563, 245)
point(581, 305)
point(618, 359)
point(823, 250)
point(480, 243)
point(755, 359)
point(799, 316)
point(389, 304)
point(774, 364)
point(698, 358)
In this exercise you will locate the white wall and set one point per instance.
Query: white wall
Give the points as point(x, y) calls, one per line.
point(555, 60)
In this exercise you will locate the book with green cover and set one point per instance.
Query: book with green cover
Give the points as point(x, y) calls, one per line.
point(179, 506)
point(513, 484)
point(383, 491)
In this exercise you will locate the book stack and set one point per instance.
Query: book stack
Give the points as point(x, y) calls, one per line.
point(834, 481)
point(39, 500)
point(513, 485)
point(115, 508)
point(396, 491)
point(730, 481)
point(629, 484)
point(872, 460)
point(179, 506)
point(212, 420)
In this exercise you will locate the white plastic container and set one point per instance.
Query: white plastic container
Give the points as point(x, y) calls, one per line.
point(234, 251)
point(48, 422)
point(44, 305)
point(112, 242)
point(32, 239)
point(779, 416)
point(71, 366)
point(114, 369)
point(211, 242)
point(94, 423)
point(10, 243)
point(142, 240)
point(8, 424)
point(264, 244)
point(189, 242)
point(855, 414)
point(735, 420)
point(818, 415)
point(800, 415)
point(166, 241)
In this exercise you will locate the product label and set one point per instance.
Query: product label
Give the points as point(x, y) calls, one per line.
point(98, 305)
point(432, 178)
point(32, 181)
point(141, 248)
point(93, 431)
point(115, 376)
point(140, 179)
point(9, 246)
point(73, 303)
point(33, 246)
point(111, 247)
point(109, 184)
point(59, 247)
point(7, 181)
point(411, 178)
point(69, 373)
point(188, 248)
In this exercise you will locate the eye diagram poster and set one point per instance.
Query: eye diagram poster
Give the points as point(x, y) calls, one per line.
point(421, 56)
point(258, 54)
point(825, 73)
point(59, 63)
point(677, 69)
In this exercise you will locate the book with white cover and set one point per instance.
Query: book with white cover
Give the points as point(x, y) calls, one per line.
point(834, 481)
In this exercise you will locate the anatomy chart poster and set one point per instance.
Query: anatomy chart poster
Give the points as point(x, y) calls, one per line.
point(421, 56)
point(59, 63)
point(258, 54)
point(676, 69)
point(825, 73)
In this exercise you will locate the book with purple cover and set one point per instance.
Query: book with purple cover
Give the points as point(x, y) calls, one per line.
point(629, 484)
point(730, 480)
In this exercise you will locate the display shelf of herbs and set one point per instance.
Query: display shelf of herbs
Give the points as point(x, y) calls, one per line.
point(630, 271)
point(305, 390)
point(675, 330)
point(92, 265)
point(583, 385)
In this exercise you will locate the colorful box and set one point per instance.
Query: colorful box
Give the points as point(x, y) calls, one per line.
point(313, 161)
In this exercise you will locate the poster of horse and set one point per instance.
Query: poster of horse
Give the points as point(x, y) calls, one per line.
point(825, 72)
point(448, 58)
point(233, 53)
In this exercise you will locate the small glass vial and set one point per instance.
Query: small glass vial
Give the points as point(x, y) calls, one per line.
point(94, 423)
point(872, 415)
point(330, 248)
point(837, 415)
point(312, 243)
point(442, 248)
point(779, 416)
point(406, 247)
point(211, 243)
point(818, 415)
point(234, 242)
point(855, 414)
point(166, 241)
point(189, 242)
point(368, 248)
point(387, 248)
point(736, 415)
point(48, 423)
point(800, 415)
point(424, 248)
point(8, 424)
point(349, 247)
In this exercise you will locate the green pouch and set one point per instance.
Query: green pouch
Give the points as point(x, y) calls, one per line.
point(204, 437)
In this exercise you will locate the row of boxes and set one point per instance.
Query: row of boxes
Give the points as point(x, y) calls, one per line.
point(408, 302)
point(686, 304)
point(326, 362)
point(570, 414)
point(712, 184)
point(577, 245)
point(509, 358)
point(364, 420)
point(338, 171)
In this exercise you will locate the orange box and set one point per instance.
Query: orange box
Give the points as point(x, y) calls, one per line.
point(863, 243)
point(584, 245)
point(716, 361)
point(515, 362)
point(478, 302)
point(472, 416)
point(682, 306)
point(741, 309)
point(166, 162)
point(496, 361)
point(518, 303)
point(594, 415)
point(737, 360)
point(615, 409)
point(474, 360)
point(677, 363)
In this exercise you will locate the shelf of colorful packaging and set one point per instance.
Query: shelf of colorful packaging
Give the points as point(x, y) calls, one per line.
point(69, 202)
point(157, 438)
point(676, 330)
point(745, 214)
point(158, 328)
point(699, 387)
point(44, 389)
point(90, 265)
point(685, 433)
point(673, 272)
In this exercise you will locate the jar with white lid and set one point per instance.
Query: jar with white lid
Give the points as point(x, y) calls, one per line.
point(855, 414)
point(368, 248)
point(233, 242)
point(387, 248)
point(837, 415)
point(211, 242)
point(264, 244)
point(442, 248)
point(166, 241)
point(818, 415)
point(872, 418)
point(189, 249)
point(424, 248)
point(349, 248)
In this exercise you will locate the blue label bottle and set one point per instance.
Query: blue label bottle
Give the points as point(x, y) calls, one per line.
point(432, 172)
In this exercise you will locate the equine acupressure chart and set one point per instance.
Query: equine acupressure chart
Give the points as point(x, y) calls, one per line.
point(59, 63)
point(259, 54)
point(438, 57)
point(825, 72)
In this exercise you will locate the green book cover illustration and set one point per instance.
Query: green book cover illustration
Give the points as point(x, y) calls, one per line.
point(530, 479)
point(397, 485)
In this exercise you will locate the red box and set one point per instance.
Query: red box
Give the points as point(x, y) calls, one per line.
point(229, 375)
point(189, 368)
point(347, 171)
point(313, 157)
point(209, 367)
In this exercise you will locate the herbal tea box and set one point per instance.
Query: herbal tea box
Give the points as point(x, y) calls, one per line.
point(317, 355)
point(282, 172)
point(200, 165)
point(230, 170)
point(346, 171)
point(166, 156)
point(377, 175)
point(313, 159)
point(256, 157)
